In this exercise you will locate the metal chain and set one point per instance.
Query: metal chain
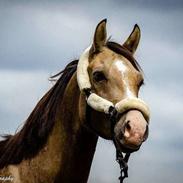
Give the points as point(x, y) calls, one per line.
point(123, 163)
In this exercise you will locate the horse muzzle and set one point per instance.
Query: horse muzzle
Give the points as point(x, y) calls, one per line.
point(131, 130)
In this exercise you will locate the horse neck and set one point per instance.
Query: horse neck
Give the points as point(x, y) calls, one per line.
point(78, 143)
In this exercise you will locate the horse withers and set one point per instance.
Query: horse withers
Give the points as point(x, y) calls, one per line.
point(96, 95)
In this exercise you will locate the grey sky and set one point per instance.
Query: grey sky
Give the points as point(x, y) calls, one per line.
point(37, 39)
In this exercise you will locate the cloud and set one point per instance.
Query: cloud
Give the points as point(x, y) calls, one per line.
point(38, 38)
point(48, 35)
point(20, 91)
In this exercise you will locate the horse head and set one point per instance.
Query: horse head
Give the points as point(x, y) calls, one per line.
point(110, 79)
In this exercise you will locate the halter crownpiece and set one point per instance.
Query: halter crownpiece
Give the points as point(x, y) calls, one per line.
point(100, 104)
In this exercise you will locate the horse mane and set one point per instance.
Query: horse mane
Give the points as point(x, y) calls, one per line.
point(33, 136)
point(26, 143)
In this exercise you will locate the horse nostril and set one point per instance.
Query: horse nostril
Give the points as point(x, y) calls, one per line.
point(128, 126)
point(127, 129)
point(146, 133)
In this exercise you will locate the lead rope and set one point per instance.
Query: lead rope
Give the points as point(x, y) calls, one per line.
point(123, 161)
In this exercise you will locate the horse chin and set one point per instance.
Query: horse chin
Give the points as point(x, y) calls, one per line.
point(125, 148)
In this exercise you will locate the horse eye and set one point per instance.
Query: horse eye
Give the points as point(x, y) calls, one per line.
point(98, 76)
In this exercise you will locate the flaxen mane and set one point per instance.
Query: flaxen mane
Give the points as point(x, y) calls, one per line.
point(33, 136)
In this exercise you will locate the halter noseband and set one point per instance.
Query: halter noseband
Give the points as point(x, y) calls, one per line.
point(102, 105)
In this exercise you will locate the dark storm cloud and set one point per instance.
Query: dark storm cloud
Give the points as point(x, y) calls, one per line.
point(155, 4)
point(172, 4)
point(47, 34)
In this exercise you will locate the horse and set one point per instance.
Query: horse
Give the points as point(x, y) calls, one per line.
point(58, 140)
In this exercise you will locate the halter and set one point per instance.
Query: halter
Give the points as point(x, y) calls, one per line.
point(102, 105)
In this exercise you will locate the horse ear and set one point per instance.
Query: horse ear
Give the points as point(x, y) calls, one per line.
point(100, 36)
point(133, 40)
